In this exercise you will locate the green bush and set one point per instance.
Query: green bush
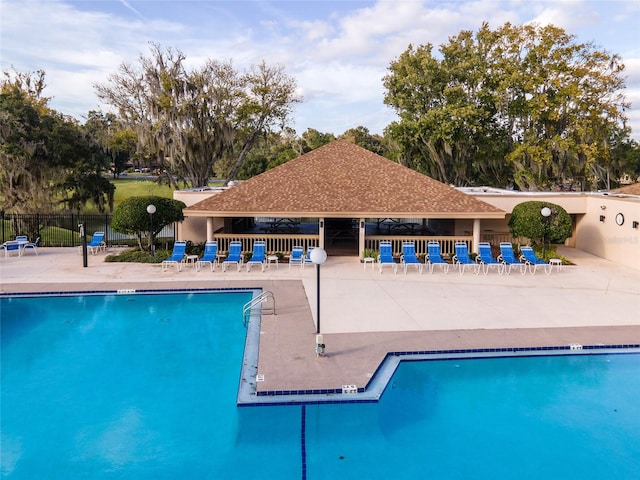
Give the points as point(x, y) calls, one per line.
point(369, 252)
point(527, 221)
point(138, 256)
point(131, 217)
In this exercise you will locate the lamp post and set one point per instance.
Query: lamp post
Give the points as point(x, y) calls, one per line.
point(151, 209)
point(546, 214)
point(318, 256)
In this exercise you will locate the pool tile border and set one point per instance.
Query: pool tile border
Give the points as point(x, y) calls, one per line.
point(131, 291)
point(374, 389)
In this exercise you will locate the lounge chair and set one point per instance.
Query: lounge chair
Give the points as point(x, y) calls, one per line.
point(409, 258)
point(462, 260)
point(297, 256)
point(307, 258)
point(97, 243)
point(12, 247)
point(259, 257)
point(486, 260)
point(210, 255)
point(234, 257)
point(386, 257)
point(434, 257)
point(31, 245)
point(177, 256)
point(532, 261)
point(508, 258)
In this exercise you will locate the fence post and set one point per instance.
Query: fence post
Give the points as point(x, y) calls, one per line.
point(107, 232)
point(83, 234)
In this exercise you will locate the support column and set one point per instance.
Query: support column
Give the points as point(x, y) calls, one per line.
point(361, 237)
point(321, 232)
point(209, 229)
point(476, 234)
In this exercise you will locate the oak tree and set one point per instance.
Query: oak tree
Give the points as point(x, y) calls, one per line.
point(197, 121)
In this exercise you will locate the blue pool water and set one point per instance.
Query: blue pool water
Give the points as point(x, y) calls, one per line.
point(144, 387)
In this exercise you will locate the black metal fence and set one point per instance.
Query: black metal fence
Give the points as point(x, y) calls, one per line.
point(62, 230)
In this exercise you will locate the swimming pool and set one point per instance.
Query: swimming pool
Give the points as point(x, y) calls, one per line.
point(144, 386)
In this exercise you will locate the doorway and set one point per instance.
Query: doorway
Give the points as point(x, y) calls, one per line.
point(341, 236)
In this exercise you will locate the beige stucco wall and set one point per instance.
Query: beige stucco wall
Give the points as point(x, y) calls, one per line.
point(606, 239)
point(195, 228)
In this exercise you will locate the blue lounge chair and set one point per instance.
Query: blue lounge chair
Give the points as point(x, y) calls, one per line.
point(462, 260)
point(210, 255)
point(97, 243)
point(409, 258)
point(177, 256)
point(259, 256)
point(234, 257)
point(508, 258)
point(434, 257)
point(386, 257)
point(486, 260)
point(12, 247)
point(532, 261)
point(307, 258)
point(297, 256)
point(32, 246)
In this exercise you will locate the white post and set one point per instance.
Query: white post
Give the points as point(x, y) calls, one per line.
point(210, 229)
point(361, 237)
point(321, 232)
point(476, 234)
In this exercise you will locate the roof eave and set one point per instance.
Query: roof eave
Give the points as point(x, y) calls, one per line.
point(453, 215)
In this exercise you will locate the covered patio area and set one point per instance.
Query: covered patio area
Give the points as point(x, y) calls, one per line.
point(343, 198)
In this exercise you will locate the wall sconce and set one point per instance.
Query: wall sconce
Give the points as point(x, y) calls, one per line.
point(361, 224)
point(602, 218)
point(634, 224)
point(321, 223)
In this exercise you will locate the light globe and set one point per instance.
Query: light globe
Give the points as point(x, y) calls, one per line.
point(318, 256)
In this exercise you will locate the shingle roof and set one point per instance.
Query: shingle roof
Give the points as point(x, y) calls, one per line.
point(633, 189)
point(341, 179)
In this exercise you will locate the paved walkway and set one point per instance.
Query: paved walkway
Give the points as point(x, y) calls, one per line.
point(365, 314)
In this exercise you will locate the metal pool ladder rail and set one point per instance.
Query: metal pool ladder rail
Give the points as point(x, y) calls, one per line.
point(263, 301)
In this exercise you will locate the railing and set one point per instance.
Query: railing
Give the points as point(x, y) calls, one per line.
point(494, 238)
point(447, 243)
point(261, 299)
point(282, 243)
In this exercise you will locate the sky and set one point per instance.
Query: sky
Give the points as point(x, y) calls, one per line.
point(337, 51)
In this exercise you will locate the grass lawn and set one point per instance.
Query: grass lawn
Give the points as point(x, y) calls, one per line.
point(132, 187)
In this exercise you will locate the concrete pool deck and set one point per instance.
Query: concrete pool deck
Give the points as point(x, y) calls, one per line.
point(365, 314)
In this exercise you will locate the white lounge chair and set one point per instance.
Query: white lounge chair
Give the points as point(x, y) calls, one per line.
point(177, 256)
point(210, 255)
point(297, 256)
point(259, 256)
point(31, 246)
point(386, 257)
point(532, 261)
point(409, 257)
point(234, 257)
point(434, 257)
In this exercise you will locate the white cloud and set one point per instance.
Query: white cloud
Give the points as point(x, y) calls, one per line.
point(337, 51)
